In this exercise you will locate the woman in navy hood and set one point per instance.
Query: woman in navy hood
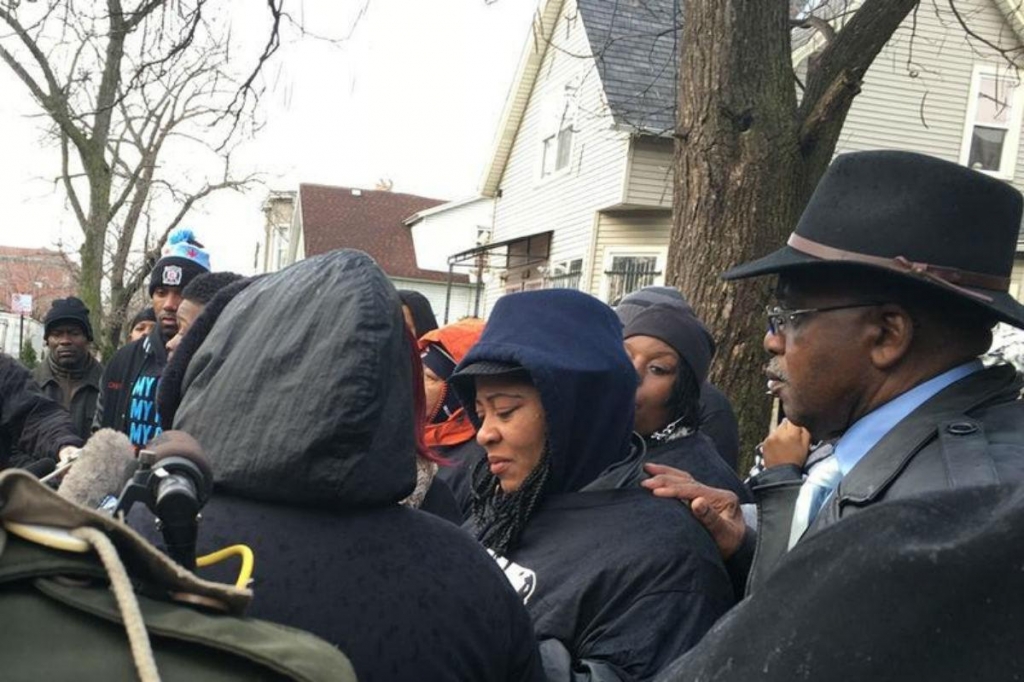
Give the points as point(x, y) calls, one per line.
point(617, 582)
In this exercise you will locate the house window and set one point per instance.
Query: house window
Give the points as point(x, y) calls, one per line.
point(626, 272)
point(281, 247)
point(566, 275)
point(992, 131)
point(556, 144)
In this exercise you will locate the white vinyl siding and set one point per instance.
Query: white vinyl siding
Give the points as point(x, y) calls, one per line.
point(917, 94)
point(441, 234)
point(568, 201)
point(649, 182)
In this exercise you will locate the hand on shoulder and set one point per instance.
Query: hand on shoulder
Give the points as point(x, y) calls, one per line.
point(718, 510)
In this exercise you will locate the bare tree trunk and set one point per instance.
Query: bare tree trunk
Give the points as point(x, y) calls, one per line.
point(90, 280)
point(736, 155)
point(746, 161)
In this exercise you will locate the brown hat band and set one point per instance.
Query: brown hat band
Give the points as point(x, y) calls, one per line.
point(951, 278)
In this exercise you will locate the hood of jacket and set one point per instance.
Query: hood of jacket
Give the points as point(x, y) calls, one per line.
point(571, 345)
point(456, 339)
point(302, 391)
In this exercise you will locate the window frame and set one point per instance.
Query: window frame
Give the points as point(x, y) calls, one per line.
point(661, 261)
point(563, 269)
point(560, 117)
point(1011, 143)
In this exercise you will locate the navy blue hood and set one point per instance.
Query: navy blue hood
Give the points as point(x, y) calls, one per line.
point(571, 345)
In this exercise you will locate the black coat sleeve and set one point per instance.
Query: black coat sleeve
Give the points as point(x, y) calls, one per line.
point(32, 422)
point(775, 491)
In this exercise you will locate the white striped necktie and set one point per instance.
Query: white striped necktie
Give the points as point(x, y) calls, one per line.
point(821, 480)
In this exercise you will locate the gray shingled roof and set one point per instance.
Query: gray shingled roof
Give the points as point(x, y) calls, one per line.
point(634, 45)
point(633, 42)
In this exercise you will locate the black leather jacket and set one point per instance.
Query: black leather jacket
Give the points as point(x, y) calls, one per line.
point(969, 434)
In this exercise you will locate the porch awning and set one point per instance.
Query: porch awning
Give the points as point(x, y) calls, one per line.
point(538, 247)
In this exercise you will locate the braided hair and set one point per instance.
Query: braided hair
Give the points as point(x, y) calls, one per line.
point(499, 518)
point(684, 401)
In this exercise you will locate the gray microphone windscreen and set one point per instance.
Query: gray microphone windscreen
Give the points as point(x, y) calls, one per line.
point(106, 463)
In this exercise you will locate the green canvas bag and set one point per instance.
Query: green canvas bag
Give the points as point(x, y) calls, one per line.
point(83, 597)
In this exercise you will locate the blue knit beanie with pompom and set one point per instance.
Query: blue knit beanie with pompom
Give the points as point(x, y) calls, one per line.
point(181, 260)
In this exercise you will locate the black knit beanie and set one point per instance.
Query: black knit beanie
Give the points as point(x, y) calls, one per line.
point(633, 303)
point(145, 315)
point(678, 327)
point(68, 309)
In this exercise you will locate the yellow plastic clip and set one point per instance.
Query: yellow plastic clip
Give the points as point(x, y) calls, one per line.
point(243, 551)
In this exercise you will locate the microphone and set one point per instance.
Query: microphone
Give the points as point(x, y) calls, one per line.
point(106, 462)
point(41, 467)
point(174, 481)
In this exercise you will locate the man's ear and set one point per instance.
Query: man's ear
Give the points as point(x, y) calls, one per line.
point(894, 334)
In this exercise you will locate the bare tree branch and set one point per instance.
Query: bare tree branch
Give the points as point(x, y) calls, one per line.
point(834, 78)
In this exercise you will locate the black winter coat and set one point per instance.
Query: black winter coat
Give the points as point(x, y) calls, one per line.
point(928, 588)
point(365, 581)
point(30, 423)
point(458, 473)
point(147, 355)
point(718, 422)
point(618, 583)
point(971, 433)
point(694, 454)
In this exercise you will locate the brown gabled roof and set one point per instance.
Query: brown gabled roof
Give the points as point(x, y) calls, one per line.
point(368, 220)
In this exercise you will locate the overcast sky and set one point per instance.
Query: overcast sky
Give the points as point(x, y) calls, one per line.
point(414, 96)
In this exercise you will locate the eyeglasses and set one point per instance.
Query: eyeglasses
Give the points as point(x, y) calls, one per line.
point(778, 317)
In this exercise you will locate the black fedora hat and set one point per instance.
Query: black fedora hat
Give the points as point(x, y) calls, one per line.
point(913, 216)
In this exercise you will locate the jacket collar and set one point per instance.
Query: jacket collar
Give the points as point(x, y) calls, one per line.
point(93, 375)
point(884, 462)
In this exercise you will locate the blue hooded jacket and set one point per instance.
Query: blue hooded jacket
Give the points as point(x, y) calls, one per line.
point(571, 345)
point(617, 582)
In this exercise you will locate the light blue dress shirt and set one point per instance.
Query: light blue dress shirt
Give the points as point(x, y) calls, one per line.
point(869, 429)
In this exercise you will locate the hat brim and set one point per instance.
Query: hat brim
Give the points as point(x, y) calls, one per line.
point(487, 368)
point(787, 259)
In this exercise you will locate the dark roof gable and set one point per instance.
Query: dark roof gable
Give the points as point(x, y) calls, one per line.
point(634, 43)
point(368, 220)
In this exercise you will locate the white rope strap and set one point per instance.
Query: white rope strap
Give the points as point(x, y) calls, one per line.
point(121, 586)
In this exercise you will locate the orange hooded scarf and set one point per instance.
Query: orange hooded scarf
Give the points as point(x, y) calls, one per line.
point(456, 339)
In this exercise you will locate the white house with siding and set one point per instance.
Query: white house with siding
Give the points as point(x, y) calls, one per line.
point(581, 170)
